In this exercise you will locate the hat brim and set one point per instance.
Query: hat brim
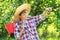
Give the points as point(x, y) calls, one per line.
point(21, 8)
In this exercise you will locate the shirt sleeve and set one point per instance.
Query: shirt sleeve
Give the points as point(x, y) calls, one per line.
point(16, 31)
point(38, 18)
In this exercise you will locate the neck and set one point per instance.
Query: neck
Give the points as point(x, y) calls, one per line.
point(23, 20)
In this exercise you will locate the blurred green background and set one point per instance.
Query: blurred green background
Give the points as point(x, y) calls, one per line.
point(48, 29)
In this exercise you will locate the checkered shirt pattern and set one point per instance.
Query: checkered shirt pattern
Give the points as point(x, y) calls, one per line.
point(30, 32)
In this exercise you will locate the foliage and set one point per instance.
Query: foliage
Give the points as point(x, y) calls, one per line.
point(48, 29)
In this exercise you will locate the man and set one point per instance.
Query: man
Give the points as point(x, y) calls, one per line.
point(25, 28)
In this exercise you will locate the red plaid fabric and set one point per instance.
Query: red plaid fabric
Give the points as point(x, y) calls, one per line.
point(30, 32)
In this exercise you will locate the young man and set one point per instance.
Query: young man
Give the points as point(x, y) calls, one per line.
point(25, 28)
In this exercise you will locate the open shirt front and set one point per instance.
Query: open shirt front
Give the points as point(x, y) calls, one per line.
point(30, 32)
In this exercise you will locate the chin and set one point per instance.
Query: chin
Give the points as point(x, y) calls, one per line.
point(24, 18)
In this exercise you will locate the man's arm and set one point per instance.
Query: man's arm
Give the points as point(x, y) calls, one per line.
point(16, 31)
point(46, 11)
point(22, 30)
point(41, 17)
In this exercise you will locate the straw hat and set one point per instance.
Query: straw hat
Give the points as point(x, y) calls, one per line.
point(20, 9)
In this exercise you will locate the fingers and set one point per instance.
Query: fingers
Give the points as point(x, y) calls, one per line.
point(23, 28)
point(49, 9)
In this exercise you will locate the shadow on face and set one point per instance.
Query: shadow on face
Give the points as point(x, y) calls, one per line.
point(23, 15)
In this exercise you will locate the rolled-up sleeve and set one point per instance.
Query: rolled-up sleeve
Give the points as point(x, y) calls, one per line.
point(16, 31)
point(38, 18)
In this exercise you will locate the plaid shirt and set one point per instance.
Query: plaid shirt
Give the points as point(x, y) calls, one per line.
point(30, 32)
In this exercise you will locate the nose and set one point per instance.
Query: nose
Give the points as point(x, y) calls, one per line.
point(26, 14)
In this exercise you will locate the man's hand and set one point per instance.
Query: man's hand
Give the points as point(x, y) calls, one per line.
point(22, 31)
point(49, 9)
point(44, 14)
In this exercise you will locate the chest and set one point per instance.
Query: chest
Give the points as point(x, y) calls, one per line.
point(30, 27)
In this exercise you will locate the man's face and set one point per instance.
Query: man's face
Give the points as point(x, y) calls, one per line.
point(24, 15)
